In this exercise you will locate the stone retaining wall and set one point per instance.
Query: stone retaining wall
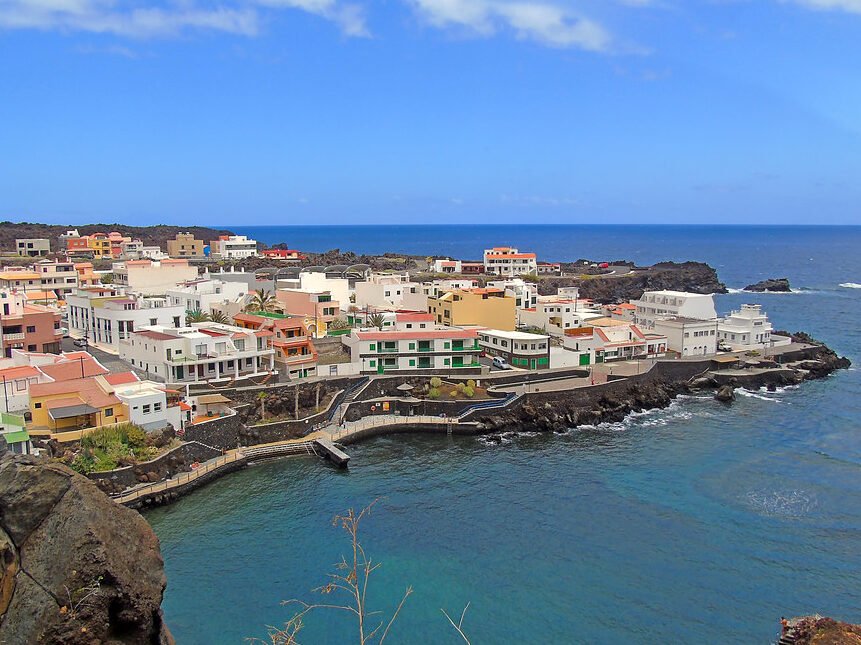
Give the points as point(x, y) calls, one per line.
point(169, 496)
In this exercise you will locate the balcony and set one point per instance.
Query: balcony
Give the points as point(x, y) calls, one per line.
point(387, 350)
point(465, 348)
point(13, 336)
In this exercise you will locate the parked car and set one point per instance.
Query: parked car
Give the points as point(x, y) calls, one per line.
point(65, 331)
point(500, 363)
point(604, 265)
point(80, 342)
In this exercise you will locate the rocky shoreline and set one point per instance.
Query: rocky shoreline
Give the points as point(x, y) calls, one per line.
point(561, 411)
point(772, 285)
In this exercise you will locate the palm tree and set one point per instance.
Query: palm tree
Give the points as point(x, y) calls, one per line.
point(219, 317)
point(261, 301)
point(196, 316)
point(376, 320)
point(262, 398)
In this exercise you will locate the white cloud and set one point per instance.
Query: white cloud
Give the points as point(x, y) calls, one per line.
point(243, 17)
point(543, 22)
point(852, 6)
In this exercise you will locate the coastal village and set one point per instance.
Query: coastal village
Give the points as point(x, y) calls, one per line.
point(113, 367)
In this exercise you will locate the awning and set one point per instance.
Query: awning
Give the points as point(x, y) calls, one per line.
point(16, 437)
point(70, 411)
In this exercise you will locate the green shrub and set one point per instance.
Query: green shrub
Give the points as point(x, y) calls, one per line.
point(453, 393)
point(83, 463)
point(470, 383)
point(469, 392)
point(461, 387)
point(435, 382)
point(434, 393)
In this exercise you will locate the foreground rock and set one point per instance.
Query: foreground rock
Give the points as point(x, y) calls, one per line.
point(778, 285)
point(76, 567)
point(725, 394)
point(810, 630)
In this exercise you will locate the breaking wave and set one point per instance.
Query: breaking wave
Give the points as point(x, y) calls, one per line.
point(756, 395)
point(850, 285)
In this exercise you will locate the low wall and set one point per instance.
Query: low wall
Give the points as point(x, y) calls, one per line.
point(162, 467)
point(220, 433)
point(161, 497)
point(410, 428)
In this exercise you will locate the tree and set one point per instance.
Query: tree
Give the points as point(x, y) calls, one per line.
point(339, 323)
point(377, 320)
point(219, 317)
point(261, 396)
point(196, 316)
point(350, 581)
point(261, 301)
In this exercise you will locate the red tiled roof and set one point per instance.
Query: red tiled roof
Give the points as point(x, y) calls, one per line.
point(416, 335)
point(184, 406)
point(121, 378)
point(74, 369)
point(413, 316)
point(87, 389)
point(155, 335)
point(211, 332)
point(21, 371)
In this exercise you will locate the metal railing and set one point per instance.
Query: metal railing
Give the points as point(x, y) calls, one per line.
point(182, 479)
point(487, 405)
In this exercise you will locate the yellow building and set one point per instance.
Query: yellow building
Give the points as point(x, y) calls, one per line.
point(100, 245)
point(485, 307)
point(74, 404)
point(185, 246)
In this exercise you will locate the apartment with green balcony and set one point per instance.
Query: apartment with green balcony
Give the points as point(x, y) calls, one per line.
point(438, 347)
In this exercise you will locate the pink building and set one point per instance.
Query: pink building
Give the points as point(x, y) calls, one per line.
point(30, 327)
point(318, 308)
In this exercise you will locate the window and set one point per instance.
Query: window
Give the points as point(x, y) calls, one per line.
point(109, 412)
point(146, 408)
point(156, 407)
point(446, 361)
point(31, 329)
point(38, 406)
point(153, 321)
point(31, 348)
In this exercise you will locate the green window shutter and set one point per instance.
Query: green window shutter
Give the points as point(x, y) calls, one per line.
point(373, 347)
point(542, 361)
point(412, 363)
point(412, 346)
point(446, 345)
point(446, 361)
point(373, 363)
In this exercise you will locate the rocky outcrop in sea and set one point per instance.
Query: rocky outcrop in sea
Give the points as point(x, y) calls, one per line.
point(76, 566)
point(777, 285)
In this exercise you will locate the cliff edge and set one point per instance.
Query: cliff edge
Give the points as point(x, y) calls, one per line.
point(75, 567)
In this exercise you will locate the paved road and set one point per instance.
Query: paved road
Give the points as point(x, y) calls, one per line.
point(112, 362)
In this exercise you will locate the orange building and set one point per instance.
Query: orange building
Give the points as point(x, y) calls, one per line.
point(294, 348)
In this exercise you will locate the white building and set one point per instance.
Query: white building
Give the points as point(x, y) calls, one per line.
point(555, 314)
point(202, 293)
point(390, 290)
point(402, 349)
point(150, 278)
point(519, 349)
point(608, 340)
point(688, 336)
point(106, 316)
point(233, 247)
point(654, 305)
point(437, 288)
point(148, 405)
point(447, 266)
point(200, 353)
point(524, 293)
point(58, 277)
point(507, 260)
point(748, 328)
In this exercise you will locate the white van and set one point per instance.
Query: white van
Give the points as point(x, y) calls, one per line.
point(500, 363)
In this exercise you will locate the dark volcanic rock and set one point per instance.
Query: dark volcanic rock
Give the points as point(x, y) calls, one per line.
point(696, 277)
point(772, 284)
point(76, 567)
point(725, 393)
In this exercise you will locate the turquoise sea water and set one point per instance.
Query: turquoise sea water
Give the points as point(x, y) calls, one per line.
point(699, 523)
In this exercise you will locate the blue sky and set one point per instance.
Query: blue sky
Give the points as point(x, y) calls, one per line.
point(424, 111)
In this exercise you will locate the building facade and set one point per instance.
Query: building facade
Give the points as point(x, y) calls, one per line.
point(519, 349)
point(185, 245)
point(150, 278)
point(608, 340)
point(654, 305)
point(61, 278)
point(295, 354)
point(317, 306)
point(401, 350)
point(489, 308)
point(200, 353)
point(106, 316)
point(748, 328)
point(233, 247)
point(508, 261)
point(688, 336)
point(33, 247)
point(27, 326)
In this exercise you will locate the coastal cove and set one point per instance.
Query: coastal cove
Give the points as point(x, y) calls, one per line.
point(682, 524)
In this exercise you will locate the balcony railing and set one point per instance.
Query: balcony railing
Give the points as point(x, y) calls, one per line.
point(13, 336)
point(466, 348)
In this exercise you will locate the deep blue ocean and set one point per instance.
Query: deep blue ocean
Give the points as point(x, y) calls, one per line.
point(696, 524)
